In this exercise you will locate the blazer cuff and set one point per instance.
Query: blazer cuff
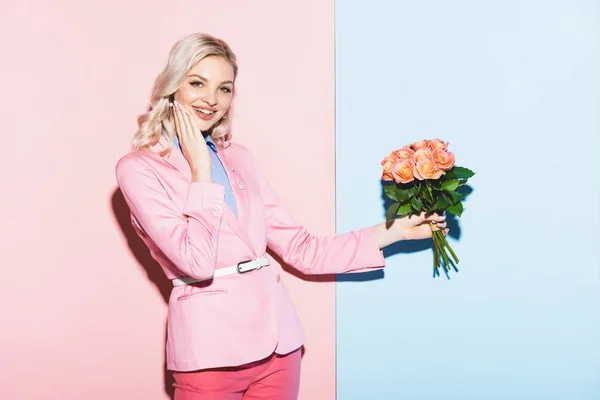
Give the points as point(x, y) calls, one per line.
point(370, 255)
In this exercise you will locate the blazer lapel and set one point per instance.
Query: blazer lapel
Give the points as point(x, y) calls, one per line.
point(242, 200)
point(175, 158)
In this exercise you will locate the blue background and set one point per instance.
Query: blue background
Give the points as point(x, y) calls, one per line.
point(514, 86)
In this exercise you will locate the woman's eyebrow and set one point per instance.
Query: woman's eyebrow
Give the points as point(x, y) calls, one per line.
point(204, 79)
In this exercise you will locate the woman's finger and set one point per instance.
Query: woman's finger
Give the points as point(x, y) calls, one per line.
point(437, 218)
point(176, 120)
point(418, 218)
point(193, 118)
point(183, 131)
point(189, 124)
point(180, 121)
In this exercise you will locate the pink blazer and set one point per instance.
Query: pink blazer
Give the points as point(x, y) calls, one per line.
point(240, 318)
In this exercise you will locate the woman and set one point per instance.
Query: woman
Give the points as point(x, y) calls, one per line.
point(207, 213)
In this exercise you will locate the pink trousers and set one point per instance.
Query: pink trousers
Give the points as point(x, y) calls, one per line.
point(276, 377)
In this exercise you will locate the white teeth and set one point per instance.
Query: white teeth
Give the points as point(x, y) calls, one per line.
point(206, 112)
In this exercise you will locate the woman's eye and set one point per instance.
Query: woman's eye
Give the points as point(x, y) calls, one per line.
point(196, 84)
point(226, 90)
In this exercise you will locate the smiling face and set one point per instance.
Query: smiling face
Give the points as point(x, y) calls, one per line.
point(208, 90)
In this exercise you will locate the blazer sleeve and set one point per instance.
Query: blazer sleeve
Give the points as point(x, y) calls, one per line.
point(189, 237)
point(355, 251)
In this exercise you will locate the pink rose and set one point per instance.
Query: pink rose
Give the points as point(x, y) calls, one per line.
point(444, 160)
point(426, 169)
point(387, 176)
point(405, 153)
point(402, 171)
point(438, 144)
point(423, 144)
point(386, 164)
point(422, 154)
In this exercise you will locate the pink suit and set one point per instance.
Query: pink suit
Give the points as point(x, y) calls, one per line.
point(240, 318)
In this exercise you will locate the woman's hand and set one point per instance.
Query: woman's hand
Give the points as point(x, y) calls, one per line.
point(193, 145)
point(409, 228)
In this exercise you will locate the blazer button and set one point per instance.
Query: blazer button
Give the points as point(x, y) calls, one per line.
point(241, 185)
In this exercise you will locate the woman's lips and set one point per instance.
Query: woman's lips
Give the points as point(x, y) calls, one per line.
point(205, 115)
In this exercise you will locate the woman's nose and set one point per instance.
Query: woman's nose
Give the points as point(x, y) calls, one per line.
point(210, 99)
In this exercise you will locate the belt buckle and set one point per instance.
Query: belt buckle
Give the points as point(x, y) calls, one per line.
point(241, 270)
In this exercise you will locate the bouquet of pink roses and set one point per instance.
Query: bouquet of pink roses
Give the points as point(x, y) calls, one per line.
point(425, 179)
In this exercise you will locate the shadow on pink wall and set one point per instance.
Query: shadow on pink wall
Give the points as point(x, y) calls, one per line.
point(145, 260)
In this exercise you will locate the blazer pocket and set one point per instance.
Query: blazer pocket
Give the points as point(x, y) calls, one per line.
point(200, 292)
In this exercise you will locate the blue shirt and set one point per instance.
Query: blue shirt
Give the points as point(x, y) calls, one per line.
point(219, 175)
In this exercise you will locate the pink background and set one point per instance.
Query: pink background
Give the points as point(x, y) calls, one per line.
point(82, 305)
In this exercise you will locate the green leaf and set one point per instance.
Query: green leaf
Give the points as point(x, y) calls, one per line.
point(391, 191)
point(456, 209)
point(456, 197)
point(442, 203)
point(405, 209)
point(403, 195)
point(400, 192)
point(462, 173)
point(392, 211)
point(416, 203)
point(450, 175)
point(450, 185)
point(410, 192)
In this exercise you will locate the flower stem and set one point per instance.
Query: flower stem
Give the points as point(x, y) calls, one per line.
point(446, 244)
point(431, 195)
point(436, 254)
point(444, 255)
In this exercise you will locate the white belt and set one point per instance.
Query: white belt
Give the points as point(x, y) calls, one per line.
point(240, 268)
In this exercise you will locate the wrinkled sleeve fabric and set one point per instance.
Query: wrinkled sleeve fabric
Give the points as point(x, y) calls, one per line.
point(189, 238)
point(355, 251)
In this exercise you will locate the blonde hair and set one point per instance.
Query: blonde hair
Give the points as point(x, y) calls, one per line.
point(186, 53)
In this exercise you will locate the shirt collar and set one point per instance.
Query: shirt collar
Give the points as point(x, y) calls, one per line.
point(208, 140)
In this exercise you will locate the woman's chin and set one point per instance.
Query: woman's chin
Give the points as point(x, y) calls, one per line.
point(205, 126)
